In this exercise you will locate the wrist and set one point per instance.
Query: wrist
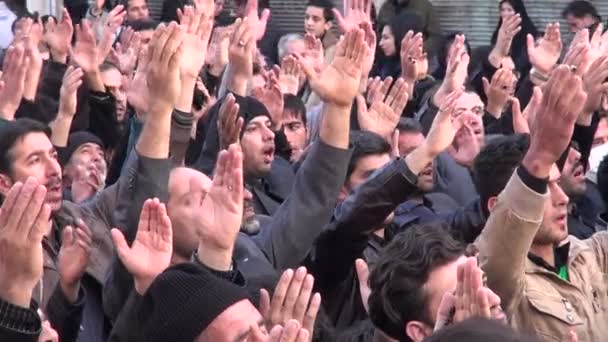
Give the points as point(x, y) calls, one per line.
point(59, 57)
point(537, 164)
point(16, 294)
point(70, 290)
point(217, 259)
point(540, 74)
point(494, 109)
point(419, 158)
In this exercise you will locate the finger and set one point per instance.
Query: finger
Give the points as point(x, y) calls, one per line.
point(304, 298)
point(483, 303)
point(122, 249)
point(280, 292)
point(290, 332)
point(28, 206)
point(445, 310)
point(265, 304)
point(41, 226)
point(144, 217)
point(293, 292)
point(303, 335)
point(67, 236)
point(384, 88)
point(8, 205)
point(166, 229)
point(311, 314)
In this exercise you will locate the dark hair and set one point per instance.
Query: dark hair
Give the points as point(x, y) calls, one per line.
point(295, 105)
point(107, 65)
point(365, 144)
point(479, 330)
point(527, 27)
point(495, 164)
point(602, 179)
point(442, 56)
point(126, 3)
point(409, 125)
point(580, 9)
point(143, 25)
point(327, 7)
point(398, 276)
point(13, 132)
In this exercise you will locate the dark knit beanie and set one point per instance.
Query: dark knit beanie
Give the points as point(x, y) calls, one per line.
point(250, 108)
point(183, 301)
point(76, 140)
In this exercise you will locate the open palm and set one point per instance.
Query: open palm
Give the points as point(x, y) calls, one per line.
point(85, 52)
point(221, 213)
point(150, 253)
point(546, 53)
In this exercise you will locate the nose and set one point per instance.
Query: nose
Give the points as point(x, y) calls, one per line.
point(53, 168)
point(558, 196)
point(268, 134)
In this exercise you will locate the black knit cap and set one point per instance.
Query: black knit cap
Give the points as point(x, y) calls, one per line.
point(76, 140)
point(250, 108)
point(183, 301)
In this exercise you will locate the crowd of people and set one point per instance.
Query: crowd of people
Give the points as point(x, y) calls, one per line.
point(207, 178)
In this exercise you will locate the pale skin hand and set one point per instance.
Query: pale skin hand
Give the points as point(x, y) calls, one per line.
point(24, 220)
point(272, 97)
point(339, 82)
point(59, 37)
point(357, 12)
point(383, 116)
point(150, 253)
point(292, 299)
point(522, 120)
point(498, 91)
point(363, 277)
point(13, 81)
point(230, 123)
point(412, 56)
point(544, 55)
point(509, 28)
point(240, 56)
point(222, 211)
point(292, 332)
point(457, 71)
point(73, 258)
point(258, 23)
point(67, 106)
point(289, 74)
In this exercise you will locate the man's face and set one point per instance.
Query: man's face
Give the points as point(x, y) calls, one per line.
point(88, 161)
point(409, 141)
point(295, 47)
point(295, 130)
point(315, 23)
point(471, 105)
point(577, 24)
point(258, 147)
point(554, 228)
point(234, 324)
point(573, 175)
point(601, 135)
point(137, 10)
point(113, 80)
point(364, 168)
point(35, 156)
point(444, 279)
point(187, 190)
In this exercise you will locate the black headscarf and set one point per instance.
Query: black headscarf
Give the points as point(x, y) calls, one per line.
point(400, 25)
point(518, 46)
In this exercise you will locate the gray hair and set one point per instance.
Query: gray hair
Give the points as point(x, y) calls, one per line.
point(286, 39)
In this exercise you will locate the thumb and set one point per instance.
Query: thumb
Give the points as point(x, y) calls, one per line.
point(67, 237)
point(120, 243)
point(361, 105)
point(396, 143)
point(515, 106)
point(530, 42)
point(362, 271)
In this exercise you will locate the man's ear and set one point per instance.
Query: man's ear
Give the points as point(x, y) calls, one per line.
point(328, 25)
point(5, 184)
point(344, 192)
point(417, 331)
point(492, 203)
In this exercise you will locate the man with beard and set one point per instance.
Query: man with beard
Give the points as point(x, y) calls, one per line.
point(549, 283)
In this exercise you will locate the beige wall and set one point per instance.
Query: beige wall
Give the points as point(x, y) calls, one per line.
point(45, 6)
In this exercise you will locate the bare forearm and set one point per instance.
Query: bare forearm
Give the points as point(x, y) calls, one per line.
point(335, 126)
point(61, 130)
point(31, 82)
point(154, 139)
point(95, 81)
point(219, 260)
point(184, 102)
point(237, 84)
point(418, 159)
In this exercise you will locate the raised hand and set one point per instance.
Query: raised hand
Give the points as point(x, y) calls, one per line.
point(563, 101)
point(58, 36)
point(242, 47)
point(292, 332)
point(151, 251)
point(446, 124)
point(137, 93)
point(125, 56)
point(163, 76)
point(271, 96)
point(594, 84)
point(12, 87)
point(221, 212)
point(357, 12)
point(544, 55)
point(229, 122)
point(498, 91)
point(579, 53)
point(258, 23)
point(470, 299)
point(217, 52)
point(73, 258)
point(114, 20)
point(371, 42)
point(85, 52)
point(314, 52)
point(377, 89)
point(292, 300)
point(24, 220)
point(68, 95)
point(289, 75)
point(457, 71)
point(197, 25)
point(412, 57)
point(383, 116)
point(510, 27)
point(338, 84)
point(522, 120)
point(48, 334)
point(466, 146)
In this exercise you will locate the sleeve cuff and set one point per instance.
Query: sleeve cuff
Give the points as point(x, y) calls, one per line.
point(19, 319)
point(536, 184)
